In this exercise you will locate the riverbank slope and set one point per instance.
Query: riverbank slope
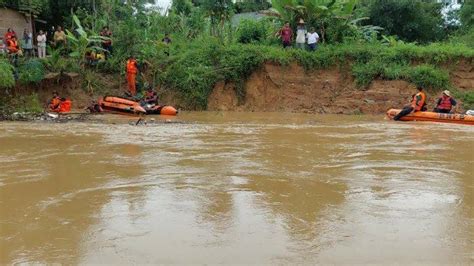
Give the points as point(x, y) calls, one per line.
point(291, 88)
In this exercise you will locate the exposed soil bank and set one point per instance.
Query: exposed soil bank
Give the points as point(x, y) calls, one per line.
point(272, 88)
point(292, 89)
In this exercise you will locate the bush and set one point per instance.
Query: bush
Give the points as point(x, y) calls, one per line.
point(365, 73)
point(7, 80)
point(467, 99)
point(466, 14)
point(427, 76)
point(251, 31)
point(27, 103)
point(419, 21)
point(31, 71)
point(20, 103)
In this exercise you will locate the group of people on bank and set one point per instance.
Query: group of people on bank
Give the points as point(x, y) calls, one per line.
point(445, 104)
point(11, 44)
point(59, 105)
point(304, 38)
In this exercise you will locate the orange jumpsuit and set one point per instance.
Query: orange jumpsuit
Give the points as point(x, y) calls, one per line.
point(12, 46)
point(132, 71)
point(54, 104)
point(65, 106)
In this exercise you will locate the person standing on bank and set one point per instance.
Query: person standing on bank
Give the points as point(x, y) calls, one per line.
point(132, 71)
point(301, 35)
point(107, 42)
point(28, 43)
point(9, 34)
point(285, 35)
point(313, 39)
point(59, 38)
point(41, 39)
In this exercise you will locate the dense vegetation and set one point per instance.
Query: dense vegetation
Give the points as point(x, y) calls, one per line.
point(207, 48)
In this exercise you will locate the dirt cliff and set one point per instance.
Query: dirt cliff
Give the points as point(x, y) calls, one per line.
point(292, 89)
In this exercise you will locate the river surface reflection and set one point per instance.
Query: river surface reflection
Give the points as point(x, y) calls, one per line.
point(237, 188)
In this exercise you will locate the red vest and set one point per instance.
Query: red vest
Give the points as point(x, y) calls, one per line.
point(445, 103)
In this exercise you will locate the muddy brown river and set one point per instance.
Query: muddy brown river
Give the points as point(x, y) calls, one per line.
point(237, 188)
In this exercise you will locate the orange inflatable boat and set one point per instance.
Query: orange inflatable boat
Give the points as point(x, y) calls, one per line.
point(434, 117)
point(161, 110)
point(117, 104)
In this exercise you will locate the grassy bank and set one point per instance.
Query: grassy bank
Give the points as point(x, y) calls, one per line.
point(194, 72)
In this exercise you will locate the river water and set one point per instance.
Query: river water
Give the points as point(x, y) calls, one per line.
point(237, 188)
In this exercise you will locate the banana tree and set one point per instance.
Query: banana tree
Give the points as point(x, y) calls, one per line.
point(317, 13)
point(219, 12)
point(82, 41)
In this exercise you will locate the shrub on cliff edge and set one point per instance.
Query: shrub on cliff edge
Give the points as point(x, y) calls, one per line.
point(7, 80)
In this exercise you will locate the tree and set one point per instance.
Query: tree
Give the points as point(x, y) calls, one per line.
point(219, 12)
point(251, 5)
point(182, 7)
point(466, 14)
point(34, 7)
point(419, 21)
point(328, 16)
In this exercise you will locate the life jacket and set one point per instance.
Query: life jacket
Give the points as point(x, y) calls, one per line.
point(445, 103)
point(65, 106)
point(132, 66)
point(418, 104)
point(55, 103)
point(12, 46)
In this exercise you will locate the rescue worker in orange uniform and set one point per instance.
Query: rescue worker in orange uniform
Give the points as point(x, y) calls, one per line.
point(12, 45)
point(446, 103)
point(55, 102)
point(132, 70)
point(418, 104)
point(64, 106)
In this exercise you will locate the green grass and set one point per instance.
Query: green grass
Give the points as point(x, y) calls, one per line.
point(20, 103)
point(466, 97)
point(194, 71)
point(7, 79)
point(193, 68)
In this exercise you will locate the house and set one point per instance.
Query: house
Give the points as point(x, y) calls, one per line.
point(11, 18)
point(450, 5)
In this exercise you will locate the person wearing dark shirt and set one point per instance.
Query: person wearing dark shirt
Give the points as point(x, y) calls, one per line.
point(107, 42)
point(151, 97)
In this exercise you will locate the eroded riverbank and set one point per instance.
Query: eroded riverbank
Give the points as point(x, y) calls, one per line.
point(237, 188)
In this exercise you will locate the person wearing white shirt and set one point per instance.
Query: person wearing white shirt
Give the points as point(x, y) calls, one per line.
point(313, 39)
point(301, 35)
point(41, 38)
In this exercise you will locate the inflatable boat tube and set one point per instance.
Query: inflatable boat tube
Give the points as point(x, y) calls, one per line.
point(161, 110)
point(434, 117)
point(120, 105)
